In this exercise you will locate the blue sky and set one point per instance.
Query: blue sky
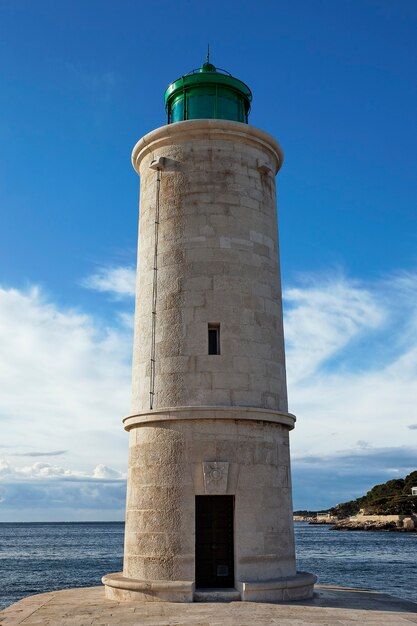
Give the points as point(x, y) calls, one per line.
point(334, 82)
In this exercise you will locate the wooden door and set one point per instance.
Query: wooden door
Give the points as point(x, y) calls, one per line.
point(214, 541)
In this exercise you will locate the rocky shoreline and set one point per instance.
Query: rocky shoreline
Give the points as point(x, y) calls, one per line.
point(404, 526)
point(393, 523)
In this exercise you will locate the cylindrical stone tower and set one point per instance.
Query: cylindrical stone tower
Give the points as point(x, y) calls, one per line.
point(209, 486)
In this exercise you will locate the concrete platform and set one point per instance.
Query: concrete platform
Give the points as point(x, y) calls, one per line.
point(331, 606)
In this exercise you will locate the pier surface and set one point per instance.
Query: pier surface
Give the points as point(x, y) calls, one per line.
point(331, 606)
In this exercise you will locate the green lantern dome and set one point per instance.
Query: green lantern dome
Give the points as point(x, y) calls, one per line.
point(208, 93)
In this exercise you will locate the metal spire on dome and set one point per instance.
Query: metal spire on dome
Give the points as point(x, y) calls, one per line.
point(207, 66)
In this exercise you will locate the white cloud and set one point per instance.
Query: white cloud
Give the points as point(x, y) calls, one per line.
point(64, 381)
point(62, 499)
point(103, 471)
point(99, 86)
point(65, 384)
point(36, 453)
point(5, 469)
point(126, 320)
point(321, 481)
point(47, 470)
point(118, 281)
point(46, 492)
point(322, 318)
point(359, 378)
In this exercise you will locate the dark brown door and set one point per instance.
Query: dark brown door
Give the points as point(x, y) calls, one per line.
point(214, 541)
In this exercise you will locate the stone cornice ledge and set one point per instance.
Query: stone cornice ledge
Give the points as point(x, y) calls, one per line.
point(205, 129)
point(210, 412)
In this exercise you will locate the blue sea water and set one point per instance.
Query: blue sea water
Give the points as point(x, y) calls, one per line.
point(377, 560)
point(35, 558)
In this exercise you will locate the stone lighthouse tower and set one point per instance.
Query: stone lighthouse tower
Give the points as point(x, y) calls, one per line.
point(209, 486)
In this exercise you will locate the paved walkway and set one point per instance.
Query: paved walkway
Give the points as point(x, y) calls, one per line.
point(331, 606)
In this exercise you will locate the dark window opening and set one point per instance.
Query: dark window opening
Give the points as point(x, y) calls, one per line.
point(214, 338)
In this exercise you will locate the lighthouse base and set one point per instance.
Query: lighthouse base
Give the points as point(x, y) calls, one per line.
point(123, 589)
point(298, 587)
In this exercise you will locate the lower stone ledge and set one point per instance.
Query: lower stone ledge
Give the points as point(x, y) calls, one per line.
point(123, 589)
point(298, 587)
point(178, 413)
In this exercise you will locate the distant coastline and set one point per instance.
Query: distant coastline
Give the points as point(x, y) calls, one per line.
point(391, 506)
point(395, 523)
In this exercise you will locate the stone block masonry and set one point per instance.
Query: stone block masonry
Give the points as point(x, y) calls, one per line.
point(197, 284)
point(209, 481)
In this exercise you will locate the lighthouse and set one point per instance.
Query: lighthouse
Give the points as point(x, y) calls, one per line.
point(209, 506)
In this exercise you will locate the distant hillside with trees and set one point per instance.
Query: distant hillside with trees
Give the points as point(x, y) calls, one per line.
point(390, 498)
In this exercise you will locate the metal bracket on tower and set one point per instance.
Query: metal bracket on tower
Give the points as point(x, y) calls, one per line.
point(158, 163)
point(262, 167)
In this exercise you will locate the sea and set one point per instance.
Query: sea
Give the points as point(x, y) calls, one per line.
point(41, 557)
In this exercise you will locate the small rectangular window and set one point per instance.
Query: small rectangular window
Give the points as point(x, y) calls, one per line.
point(214, 338)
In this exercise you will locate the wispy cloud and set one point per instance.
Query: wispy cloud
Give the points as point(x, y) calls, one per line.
point(108, 473)
point(64, 381)
point(385, 460)
point(352, 372)
point(120, 282)
point(100, 84)
point(321, 481)
point(47, 470)
point(63, 500)
point(34, 453)
point(49, 492)
point(322, 317)
point(352, 363)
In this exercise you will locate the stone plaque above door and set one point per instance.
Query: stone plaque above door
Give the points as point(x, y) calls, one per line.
point(215, 477)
